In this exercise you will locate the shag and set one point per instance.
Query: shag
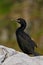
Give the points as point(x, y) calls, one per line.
point(26, 44)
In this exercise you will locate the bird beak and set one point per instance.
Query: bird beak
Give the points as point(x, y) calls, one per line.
point(18, 21)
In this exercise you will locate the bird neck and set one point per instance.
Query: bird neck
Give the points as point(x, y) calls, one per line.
point(22, 27)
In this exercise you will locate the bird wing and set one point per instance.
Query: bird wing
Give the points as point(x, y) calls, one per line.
point(25, 45)
point(26, 39)
point(23, 41)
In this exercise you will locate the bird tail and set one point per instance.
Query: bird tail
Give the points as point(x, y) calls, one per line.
point(36, 54)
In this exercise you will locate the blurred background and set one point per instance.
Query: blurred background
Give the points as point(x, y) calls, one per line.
point(31, 11)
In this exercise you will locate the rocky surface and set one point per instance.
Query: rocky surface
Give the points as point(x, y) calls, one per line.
point(9, 56)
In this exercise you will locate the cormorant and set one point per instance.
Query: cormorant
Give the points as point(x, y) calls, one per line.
point(25, 42)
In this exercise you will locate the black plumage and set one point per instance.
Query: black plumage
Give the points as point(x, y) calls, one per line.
point(26, 44)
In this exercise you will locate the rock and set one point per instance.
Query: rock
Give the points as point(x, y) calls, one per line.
point(9, 56)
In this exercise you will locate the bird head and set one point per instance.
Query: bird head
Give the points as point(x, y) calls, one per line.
point(21, 21)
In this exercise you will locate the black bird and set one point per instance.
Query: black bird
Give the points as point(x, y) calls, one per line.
point(25, 42)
